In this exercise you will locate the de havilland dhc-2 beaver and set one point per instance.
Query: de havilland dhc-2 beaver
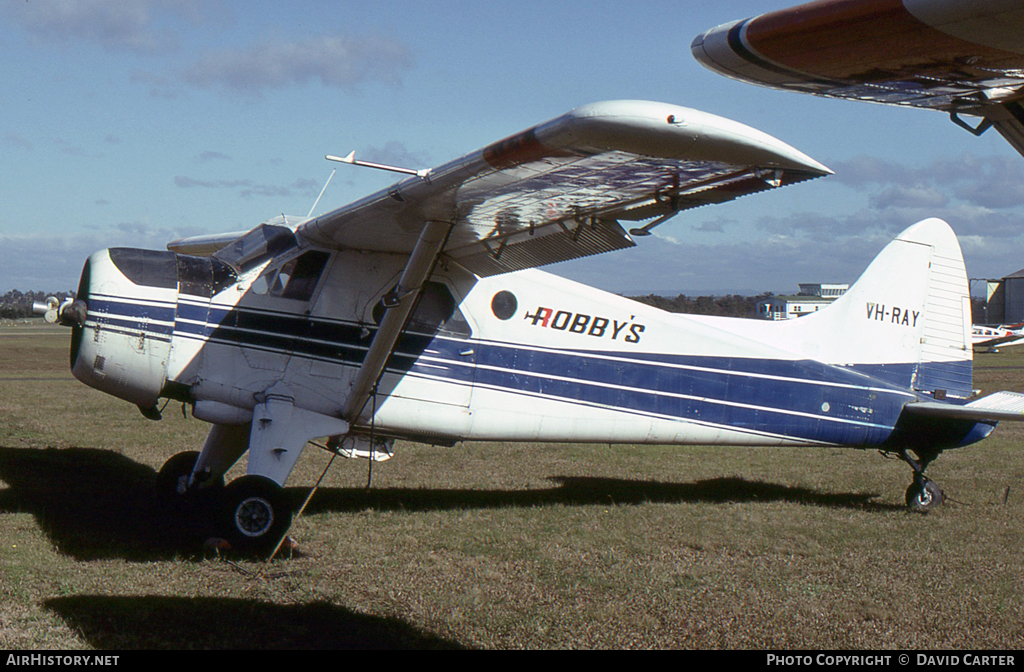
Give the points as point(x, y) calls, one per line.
point(418, 313)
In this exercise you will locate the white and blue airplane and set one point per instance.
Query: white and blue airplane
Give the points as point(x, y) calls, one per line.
point(417, 313)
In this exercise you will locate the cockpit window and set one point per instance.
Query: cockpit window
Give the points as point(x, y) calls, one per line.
point(149, 268)
point(297, 279)
point(264, 242)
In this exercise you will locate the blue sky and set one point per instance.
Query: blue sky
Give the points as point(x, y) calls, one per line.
point(134, 122)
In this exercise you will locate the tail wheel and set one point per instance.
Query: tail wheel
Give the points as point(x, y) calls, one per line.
point(255, 514)
point(924, 495)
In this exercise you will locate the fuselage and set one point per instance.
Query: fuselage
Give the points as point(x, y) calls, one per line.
point(523, 356)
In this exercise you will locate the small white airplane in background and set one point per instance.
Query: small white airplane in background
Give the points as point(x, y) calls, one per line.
point(989, 337)
point(414, 313)
point(962, 57)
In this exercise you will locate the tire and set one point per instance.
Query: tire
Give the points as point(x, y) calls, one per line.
point(172, 479)
point(924, 496)
point(254, 515)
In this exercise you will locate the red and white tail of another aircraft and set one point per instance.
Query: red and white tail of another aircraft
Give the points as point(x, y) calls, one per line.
point(960, 57)
point(990, 337)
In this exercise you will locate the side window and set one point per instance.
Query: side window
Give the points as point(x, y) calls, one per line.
point(297, 279)
point(435, 312)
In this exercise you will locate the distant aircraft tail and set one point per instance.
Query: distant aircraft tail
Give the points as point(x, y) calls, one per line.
point(906, 320)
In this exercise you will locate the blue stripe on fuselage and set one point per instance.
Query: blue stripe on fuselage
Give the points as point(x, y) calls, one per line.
point(796, 398)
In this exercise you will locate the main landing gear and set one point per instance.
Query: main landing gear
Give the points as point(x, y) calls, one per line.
point(252, 513)
point(923, 494)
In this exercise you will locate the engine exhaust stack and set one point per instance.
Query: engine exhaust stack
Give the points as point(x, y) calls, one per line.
point(70, 313)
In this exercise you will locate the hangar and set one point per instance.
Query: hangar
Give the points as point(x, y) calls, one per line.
point(1005, 299)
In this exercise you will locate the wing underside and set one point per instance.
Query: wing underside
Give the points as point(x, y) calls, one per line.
point(573, 208)
point(559, 190)
point(965, 59)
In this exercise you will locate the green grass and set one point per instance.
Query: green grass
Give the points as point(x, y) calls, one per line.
point(501, 545)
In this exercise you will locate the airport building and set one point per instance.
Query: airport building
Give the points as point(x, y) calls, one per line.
point(812, 297)
point(1005, 300)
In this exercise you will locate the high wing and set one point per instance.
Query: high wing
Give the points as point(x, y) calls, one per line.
point(963, 58)
point(558, 190)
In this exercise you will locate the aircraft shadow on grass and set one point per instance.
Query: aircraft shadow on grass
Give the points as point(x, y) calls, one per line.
point(96, 504)
point(158, 622)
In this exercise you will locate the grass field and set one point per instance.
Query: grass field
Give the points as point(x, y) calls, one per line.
point(501, 546)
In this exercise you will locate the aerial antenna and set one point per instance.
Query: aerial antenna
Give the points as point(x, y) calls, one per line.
point(351, 159)
point(321, 193)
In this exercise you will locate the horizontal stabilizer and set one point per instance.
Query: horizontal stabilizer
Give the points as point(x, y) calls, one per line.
point(997, 406)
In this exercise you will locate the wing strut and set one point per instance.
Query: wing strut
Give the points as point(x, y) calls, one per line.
point(399, 303)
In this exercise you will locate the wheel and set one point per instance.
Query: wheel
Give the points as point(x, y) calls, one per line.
point(924, 495)
point(172, 480)
point(255, 514)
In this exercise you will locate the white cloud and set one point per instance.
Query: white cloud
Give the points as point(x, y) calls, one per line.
point(212, 156)
point(15, 141)
point(988, 181)
point(909, 197)
point(115, 25)
point(395, 154)
point(247, 188)
point(137, 26)
point(334, 61)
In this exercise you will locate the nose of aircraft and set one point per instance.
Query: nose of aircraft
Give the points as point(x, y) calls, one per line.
point(121, 323)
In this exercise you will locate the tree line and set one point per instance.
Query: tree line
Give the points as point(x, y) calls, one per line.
point(730, 305)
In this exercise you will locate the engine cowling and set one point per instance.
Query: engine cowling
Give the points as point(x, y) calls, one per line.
point(121, 348)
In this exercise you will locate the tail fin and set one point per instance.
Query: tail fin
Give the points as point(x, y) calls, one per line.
point(906, 320)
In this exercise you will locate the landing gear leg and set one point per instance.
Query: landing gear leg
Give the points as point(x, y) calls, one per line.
point(924, 494)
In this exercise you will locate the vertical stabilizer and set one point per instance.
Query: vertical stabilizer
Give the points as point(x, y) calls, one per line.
point(906, 320)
